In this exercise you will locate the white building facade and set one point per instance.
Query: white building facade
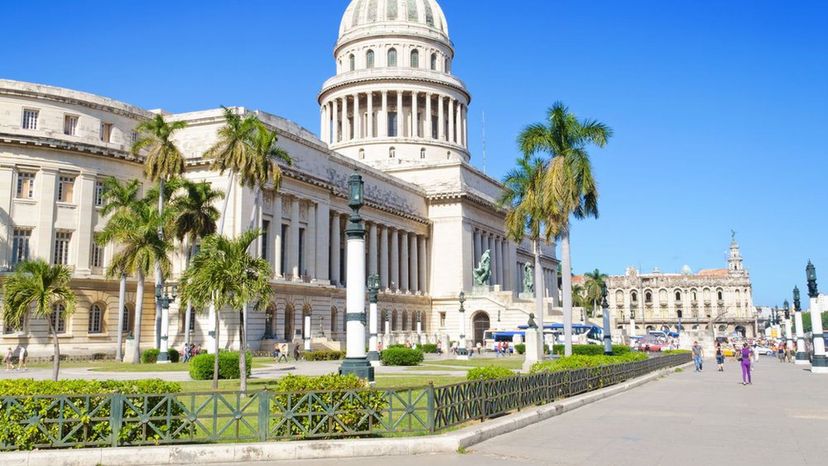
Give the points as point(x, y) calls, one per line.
point(393, 112)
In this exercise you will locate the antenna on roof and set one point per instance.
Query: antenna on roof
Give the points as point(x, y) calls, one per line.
point(484, 141)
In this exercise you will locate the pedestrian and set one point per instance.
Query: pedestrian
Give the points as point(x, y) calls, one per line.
point(479, 347)
point(277, 351)
point(744, 357)
point(789, 354)
point(698, 353)
point(720, 358)
point(185, 351)
point(780, 352)
point(755, 352)
point(296, 354)
point(282, 353)
point(7, 360)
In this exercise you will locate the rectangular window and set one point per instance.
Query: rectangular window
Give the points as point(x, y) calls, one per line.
point(20, 245)
point(70, 125)
point(30, 118)
point(265, 238)
point(283, 265)
point(442, 319)
point(66, 189)
point(95, 319)
point(62, 239)
point(58, 318)
point(126, 325)
point(133, 137)
point(392, 124)
point(106, 132)
point(25, 185)
point(9, 328)
point(96, 258)
point(99, 194)
point(302, 270)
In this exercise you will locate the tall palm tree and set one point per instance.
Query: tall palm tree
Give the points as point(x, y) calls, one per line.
point(163, 161)
point(119, 198)
point(569, 186)
point(37, 286)
point(195, 217)
point(141, 247)
point(593, 287)
point(223, 273)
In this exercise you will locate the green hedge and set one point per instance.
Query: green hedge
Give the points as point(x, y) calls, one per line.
point(150, 356)
point(357, 407)
point(396, 356)
point(201, 366)
point(592, 350)
point(676, 351)
point(582, 361)
point(429, 348)
point(323, 355)
point(488, 373)
point(520, 348)
point(14, 416)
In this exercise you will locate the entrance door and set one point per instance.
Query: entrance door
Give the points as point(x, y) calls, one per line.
point(480, 323)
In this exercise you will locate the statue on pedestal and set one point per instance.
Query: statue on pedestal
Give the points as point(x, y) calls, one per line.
point(528, 278)
point(483, 270)
point(532, 323)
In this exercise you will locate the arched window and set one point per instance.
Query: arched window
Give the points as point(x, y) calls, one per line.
point(415, 59)
point(422, 153)
point(289, 322)
point(352, 62)
point(447, 66)
point(96, 319)
point(392, 153)
point(634, 297)
point(648, 297)
point(58, 318)
point(394, 320)
point(720, 295)
point(433, 62)
point(333, 319)
point(619, 298)
point(361, 154)
point(405, 320)
point(392, 57)
point(678, 295)
point(369, 59)
point(270, 320)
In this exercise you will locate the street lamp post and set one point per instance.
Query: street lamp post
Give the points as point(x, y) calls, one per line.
point(632, 321)
point(606, 316)
point(789, 342)
point(801, 355)
point(462, 352)
point(356, 360)
point(165, 295)
point(373, 297)
point(820, 363)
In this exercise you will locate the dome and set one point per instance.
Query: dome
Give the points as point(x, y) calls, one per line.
point(361, 13)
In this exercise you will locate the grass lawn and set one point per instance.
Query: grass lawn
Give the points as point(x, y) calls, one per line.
point(511, 362)
point(114, 366)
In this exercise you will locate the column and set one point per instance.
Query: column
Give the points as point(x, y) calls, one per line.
point(415, 124)
point(277, 236)
point(383, 123)
point(451, 116)
point(373, 249)
point(44, 234)
point(490, 247)
point(421, 256)
point(383, 272)
point(415, 263)
point(478, 246)
point(498, 267)
point(346, 124)
point(465, 126)
point(370, 121)
point(85, 200)
point(405, 286)
point(323, 213)
point(310, 242)
point(8, 188)
point(400, 120)
point(322, 112)
point(344, 219)
point(357, 118)
point(336, 244)
point(293, 240)
point(335, 123)
point(441, 122)
point(395, 260)
point(427, 130)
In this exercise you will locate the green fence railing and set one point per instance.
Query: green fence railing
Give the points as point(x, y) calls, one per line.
point(72, 421)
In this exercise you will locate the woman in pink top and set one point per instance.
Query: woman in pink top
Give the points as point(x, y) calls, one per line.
point(745, 364)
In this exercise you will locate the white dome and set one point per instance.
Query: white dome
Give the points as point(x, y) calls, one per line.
point(362, 13)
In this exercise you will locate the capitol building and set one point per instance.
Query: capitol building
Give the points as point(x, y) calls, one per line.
point(393, 112)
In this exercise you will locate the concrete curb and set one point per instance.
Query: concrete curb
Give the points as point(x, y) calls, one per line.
point(318, 449)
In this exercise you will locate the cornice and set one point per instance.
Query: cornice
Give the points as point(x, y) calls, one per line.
point(62, 145)
point(69, 96)
point(334, 84)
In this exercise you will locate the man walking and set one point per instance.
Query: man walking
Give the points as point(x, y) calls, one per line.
point(698, 353)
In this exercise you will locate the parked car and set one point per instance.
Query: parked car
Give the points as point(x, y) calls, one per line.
point(763, 350)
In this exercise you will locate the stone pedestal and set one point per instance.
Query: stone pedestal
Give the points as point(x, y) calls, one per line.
point(534, 348)
point(445, 343)
point(131, 349)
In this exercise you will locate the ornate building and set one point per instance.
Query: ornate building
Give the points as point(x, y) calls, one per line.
point(394, 112)
point(717, 300)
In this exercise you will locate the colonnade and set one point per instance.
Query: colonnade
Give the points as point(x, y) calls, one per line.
point(502, 255)
point(400, 113)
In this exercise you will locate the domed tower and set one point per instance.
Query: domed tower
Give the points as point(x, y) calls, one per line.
point(394, 100)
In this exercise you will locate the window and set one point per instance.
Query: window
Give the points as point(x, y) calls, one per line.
point(70, 125)
point(333, 319)
point(392, 124)
point(442, 319)
point(352, 62)
point(433, 62)
point(133, 137)
point(96, 319)
point(362, 154)
point(283, 247)
point(634, 297)
point(30, 118)
point(106, 132)
point(392, 57)
point(58, 318)
point(96, 257)
point(415, 59)
point(25, 185)
point(126, 325)
point(720, 295)
point(369, 59)
point(392, 153)
point(20, 245)
point(66, 188)
point(648, 297)
point(422, 153)
point(99, 193)
point(265, 238)
point(10, 328)
point(447, 66)
point(62, 239)
point(302, 252)
point(678, 295)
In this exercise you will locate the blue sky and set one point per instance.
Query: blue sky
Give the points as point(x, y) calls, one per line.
point(719, 108)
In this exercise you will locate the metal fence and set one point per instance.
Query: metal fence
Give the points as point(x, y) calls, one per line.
point(64, 421)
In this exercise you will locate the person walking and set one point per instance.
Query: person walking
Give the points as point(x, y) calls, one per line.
point(698, 354)
point(282, 352)
point(7, 360)
point(720, 358)
point(23, 356)
point(744, 357)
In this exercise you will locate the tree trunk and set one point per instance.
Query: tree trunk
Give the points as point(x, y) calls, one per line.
point(189, 311)
point(539, 289)
point(56, 362)
point(139, 308)
point(121, 303)
point(243, 350)
point(226, 202)
point(566, 275)
point(216, 347)
point(158, 277)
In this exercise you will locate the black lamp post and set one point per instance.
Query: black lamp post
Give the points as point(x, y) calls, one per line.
point(461, 345)
point(606, 316)
point(165, 294)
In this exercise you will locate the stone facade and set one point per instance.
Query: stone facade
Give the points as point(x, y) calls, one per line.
point(428, 219)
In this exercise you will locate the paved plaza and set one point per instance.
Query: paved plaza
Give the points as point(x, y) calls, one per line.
point(684, 419)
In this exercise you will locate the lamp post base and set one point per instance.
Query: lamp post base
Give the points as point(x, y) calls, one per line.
point(802, 358)
point(819, 364)
point(360, 367)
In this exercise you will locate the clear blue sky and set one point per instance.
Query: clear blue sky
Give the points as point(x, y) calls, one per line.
point(720, 108)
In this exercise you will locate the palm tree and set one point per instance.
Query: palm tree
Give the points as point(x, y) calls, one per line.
point(223, 273)
point(141, 247)
point(569, 187)
point(37, 286)
point(119, 198)
point(593, 287)
point(163, 161)
point(195, 217)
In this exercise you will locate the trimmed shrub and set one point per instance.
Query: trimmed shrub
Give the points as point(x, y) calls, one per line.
point(323, 355)
point(592, 350)
point(676, 351)
point(357, 406)
point(94, 416)
point(149, 356)
point(201, 366)
point(174, 355)
point(520, 348)
point(580, 362)
point(488, 373)
point(396, 356)
point(429, 348)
